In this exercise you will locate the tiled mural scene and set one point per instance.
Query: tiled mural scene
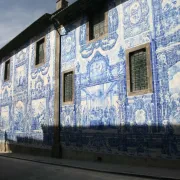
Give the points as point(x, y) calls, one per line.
point(27, 98)
point(102, 117)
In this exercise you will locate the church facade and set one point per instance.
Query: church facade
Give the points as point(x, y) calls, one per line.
point(98, 83)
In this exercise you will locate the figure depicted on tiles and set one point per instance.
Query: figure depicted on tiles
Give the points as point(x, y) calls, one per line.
point(39, 113)
point(19, 116)
point(4, 121)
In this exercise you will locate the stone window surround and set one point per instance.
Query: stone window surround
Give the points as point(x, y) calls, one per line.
point(63, 73)
point(5, 80)
point(40, 64)
point(88, 40)
point(149, 70)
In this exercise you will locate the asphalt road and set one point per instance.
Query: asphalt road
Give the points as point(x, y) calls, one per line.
point(13, 169)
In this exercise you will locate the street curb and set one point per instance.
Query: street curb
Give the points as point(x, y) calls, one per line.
point(90, 169)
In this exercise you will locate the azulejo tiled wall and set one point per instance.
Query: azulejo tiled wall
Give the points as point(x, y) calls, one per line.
point(27, 98)
point(103, 118)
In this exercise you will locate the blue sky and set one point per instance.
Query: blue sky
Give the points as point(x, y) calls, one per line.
point(16, 15)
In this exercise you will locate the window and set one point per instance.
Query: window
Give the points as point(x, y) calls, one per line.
point(97, 25)
point(68, 86)
point(139, 75)
point(138, 70)
point(7, 70)
point(40, 51)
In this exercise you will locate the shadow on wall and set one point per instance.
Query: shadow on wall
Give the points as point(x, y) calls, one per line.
point(126, 140)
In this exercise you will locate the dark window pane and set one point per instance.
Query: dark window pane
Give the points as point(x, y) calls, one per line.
point(138, 70)
point(97, 23)
point(7, 70)
point(40, 52)
point(68, 86)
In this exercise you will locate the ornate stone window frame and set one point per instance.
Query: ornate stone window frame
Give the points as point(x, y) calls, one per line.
point(147, 46)
point(6, 80)
point(40, 64)
point(63, 73)
point(88, 40)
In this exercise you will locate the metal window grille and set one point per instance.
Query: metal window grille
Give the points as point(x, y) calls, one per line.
point(40, 52)
point(97, 25)
point(138, 70)
point(7, 70)
point(68, 86)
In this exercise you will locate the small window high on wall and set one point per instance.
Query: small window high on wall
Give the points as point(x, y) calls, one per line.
point(68, 87)
point(138, 68)
point(40, 52)
point(97, 26)
point(7, 70)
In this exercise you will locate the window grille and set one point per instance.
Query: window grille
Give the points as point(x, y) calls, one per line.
point(40, 52)
point(7, 70)
point(138, 70)
point(68, 86)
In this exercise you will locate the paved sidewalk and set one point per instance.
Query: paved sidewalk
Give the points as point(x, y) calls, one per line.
point(156, 173)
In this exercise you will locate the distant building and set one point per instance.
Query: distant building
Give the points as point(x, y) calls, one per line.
point(98, 79)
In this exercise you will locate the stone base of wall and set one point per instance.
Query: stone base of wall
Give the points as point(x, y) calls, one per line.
point(56, 151)
point(16, 148)
point(120, 159)
point(92, 156)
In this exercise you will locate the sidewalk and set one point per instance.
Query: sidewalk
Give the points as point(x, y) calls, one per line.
point(155, 173)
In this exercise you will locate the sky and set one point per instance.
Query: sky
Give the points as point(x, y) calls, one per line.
point(16, 15)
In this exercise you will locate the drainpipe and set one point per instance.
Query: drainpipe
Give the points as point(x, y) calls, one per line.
point(57, 147)
point(57, 25)
point(57, 151)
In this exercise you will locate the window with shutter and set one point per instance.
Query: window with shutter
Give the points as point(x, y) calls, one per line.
point(7, 70)
point(68, 87)
point(40, 51)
